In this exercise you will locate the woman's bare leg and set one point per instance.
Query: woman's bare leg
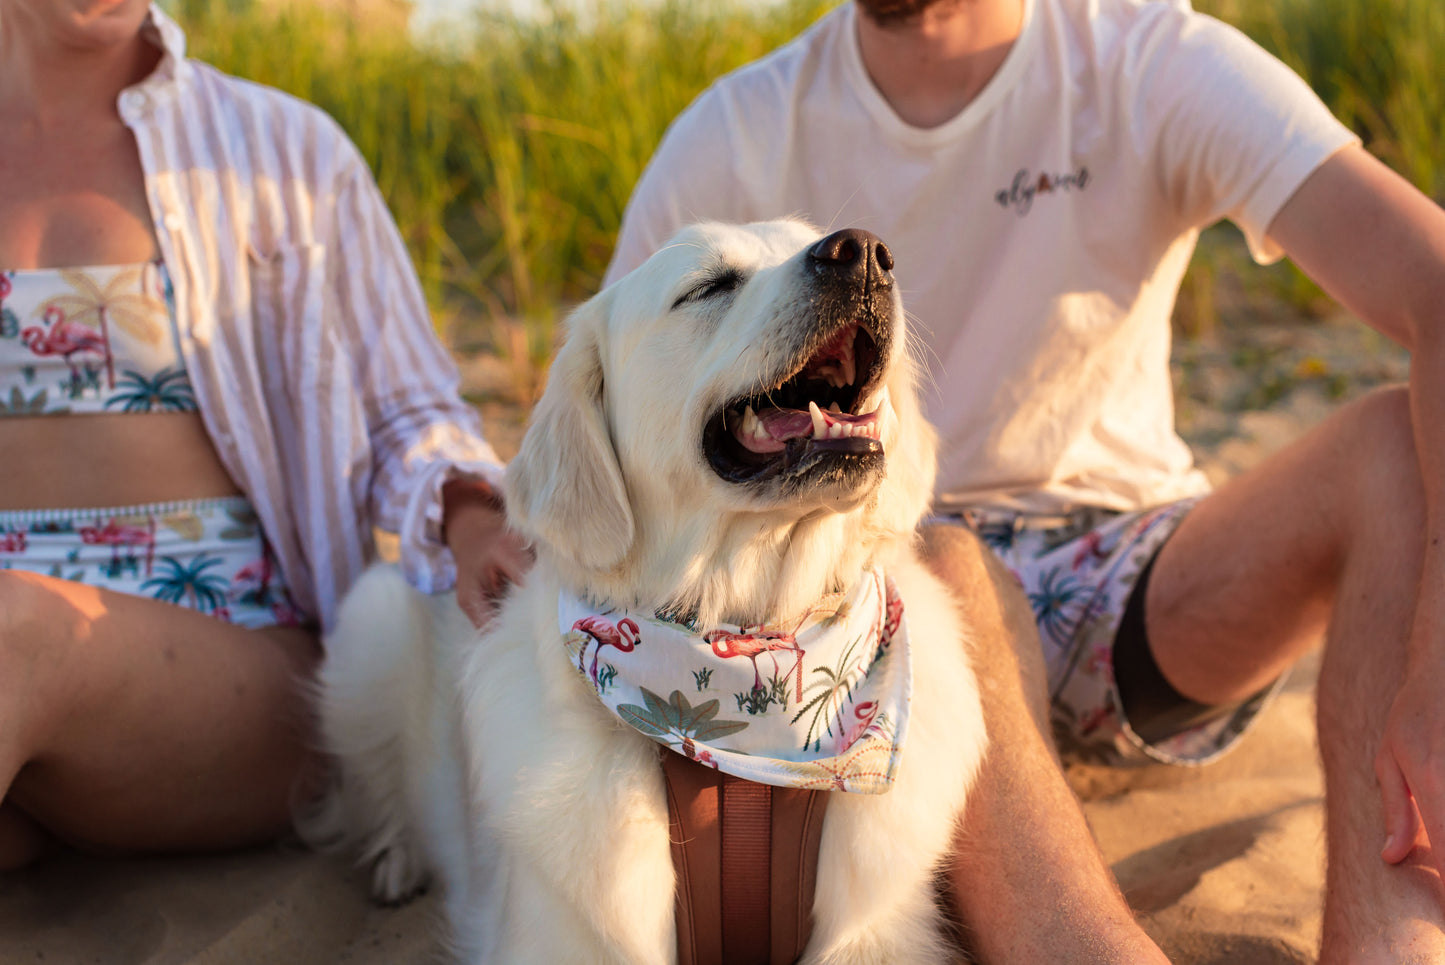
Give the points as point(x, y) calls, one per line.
point(131, 725)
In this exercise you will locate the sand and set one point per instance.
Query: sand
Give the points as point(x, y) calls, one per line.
point(1224, 864)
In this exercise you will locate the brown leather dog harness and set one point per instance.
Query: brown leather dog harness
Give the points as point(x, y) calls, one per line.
point(746, 857)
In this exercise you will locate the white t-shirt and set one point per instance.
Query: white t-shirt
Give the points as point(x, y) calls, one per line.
point(1040, 235)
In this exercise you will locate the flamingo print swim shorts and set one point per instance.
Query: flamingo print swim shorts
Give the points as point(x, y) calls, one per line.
point(208, 555)
point(1078, 571)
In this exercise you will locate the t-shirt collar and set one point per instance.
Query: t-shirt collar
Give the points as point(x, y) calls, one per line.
point(883, 113)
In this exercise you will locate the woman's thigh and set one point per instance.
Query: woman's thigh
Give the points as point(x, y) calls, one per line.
point(129, 724)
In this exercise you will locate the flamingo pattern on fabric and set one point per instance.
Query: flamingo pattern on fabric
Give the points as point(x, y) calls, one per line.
point(1078, 577)
point(821, 703)
point(207, 555)
point(80, 340)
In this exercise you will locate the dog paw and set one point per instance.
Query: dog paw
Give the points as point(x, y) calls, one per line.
point(398, 876)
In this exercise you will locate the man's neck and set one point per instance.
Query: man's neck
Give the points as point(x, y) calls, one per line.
point(929, 67)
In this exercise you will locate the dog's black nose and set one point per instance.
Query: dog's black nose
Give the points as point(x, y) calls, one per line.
point(853, 251)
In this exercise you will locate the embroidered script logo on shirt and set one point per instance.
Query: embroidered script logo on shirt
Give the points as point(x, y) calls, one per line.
point(1026, 186)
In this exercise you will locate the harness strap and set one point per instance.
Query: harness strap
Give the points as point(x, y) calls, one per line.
point(746, 857)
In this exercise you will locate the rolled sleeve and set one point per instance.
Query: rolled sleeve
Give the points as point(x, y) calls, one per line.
point(427, 562)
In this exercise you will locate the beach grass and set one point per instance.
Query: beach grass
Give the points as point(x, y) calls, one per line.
point(507, 154)
point(507, 151)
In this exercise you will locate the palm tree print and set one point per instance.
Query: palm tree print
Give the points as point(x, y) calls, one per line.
point(1000, 539)
point(181, 581)
point(18, 404)
point(677, 722)
point(867, 766)
point(169, 391)
point(123, 300)
point(245, 524)
point(833, 691)
point(1055, 602)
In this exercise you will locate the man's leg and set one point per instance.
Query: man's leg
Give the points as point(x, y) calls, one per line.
point(130, 725)
point(1327, 533)
point(1028, 881)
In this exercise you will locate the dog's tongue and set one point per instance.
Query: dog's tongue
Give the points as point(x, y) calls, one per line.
point(769, 431)
point(778, 426)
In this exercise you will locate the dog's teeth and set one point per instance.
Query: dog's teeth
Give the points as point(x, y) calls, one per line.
point(882, 400)
point(885, 411)
point(753, 426)
point(850, 368)
point(820, 424)
point(834, 409)
point(760, 431)
point(835, 431)
point(836, 378)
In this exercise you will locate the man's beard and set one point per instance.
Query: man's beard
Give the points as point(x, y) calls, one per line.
point(887, 12)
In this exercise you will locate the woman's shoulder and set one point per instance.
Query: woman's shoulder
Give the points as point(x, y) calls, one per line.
point(255, 120)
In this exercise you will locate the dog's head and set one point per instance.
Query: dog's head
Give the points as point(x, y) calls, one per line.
point(732, 429)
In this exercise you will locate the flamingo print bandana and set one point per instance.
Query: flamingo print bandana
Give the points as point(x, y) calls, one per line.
point(821, 703)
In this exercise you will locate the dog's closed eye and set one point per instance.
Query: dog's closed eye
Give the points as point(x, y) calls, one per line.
point(720, 283)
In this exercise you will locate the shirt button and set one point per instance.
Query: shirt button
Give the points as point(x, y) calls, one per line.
point(173, 222)
point(133, 101)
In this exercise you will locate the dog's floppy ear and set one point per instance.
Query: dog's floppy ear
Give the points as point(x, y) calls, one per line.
point(565, 488)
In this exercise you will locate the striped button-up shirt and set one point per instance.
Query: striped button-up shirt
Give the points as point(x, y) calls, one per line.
point(303, 326)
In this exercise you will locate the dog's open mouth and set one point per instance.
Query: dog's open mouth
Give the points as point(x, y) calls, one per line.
point(807, 418)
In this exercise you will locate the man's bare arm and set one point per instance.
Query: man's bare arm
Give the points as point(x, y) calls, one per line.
point(1377, 245)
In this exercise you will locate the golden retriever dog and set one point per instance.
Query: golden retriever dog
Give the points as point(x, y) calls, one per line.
point(729, 435)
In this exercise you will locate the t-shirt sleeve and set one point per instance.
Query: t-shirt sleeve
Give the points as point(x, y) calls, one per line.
point(1235, 132)
point(690, 178)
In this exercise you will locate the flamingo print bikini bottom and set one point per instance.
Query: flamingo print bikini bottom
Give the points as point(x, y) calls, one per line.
point(207, 555)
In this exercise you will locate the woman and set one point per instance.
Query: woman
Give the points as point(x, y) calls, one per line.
point(198, 436)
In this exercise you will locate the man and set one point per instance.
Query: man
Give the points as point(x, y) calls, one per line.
point(1040, 170)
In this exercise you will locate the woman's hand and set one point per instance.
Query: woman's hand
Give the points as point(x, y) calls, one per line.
point(489, 556)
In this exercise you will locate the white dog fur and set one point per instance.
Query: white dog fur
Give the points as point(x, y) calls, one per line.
point(487, 761)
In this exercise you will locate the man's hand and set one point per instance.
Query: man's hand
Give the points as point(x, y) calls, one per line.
point(489, 556)
point(1410, 766)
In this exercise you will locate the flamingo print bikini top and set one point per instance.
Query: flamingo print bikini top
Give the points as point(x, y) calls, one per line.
point(88, 340)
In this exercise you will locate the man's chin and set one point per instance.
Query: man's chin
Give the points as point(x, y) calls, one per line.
point(888, 12)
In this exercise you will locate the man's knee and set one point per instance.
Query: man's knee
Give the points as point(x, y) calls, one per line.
point(1382, 453)
point(968, 567)
point(975, 575)
point(955, 555)
point(994, 607)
